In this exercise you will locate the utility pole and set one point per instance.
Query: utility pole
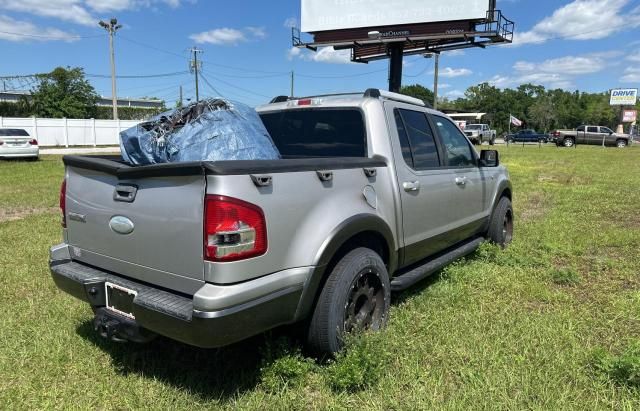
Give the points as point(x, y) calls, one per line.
point(195, 67)
point(112, 26)
point(292, 81)
point(435, 82)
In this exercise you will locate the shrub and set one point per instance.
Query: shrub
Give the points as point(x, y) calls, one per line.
point(623, 369)
point(359, 365)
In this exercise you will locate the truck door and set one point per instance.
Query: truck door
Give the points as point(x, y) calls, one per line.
point(581, 135)
point(468, 184)
point(424, 184)
point(593, 135)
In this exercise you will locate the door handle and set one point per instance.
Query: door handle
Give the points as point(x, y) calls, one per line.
point(411, 186)
point(461, 181)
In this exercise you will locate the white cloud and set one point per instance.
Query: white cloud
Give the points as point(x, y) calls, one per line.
point(223, 36)
point(454, 93)
point(631, 75)
point(78, 11)
point(291, 22)
point(635, 57)
point(449, 72)
point(444, 85)
point(293, 52)
point(323, 55)
point(454, 53)
point(30, 32)
point(555, 73)
point(229, 37)
point(582, 20)
point(257, 32)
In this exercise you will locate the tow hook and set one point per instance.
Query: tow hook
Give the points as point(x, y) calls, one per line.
point(118, 329)
point(108, 328)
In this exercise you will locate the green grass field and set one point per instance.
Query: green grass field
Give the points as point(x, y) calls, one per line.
point(551, 323)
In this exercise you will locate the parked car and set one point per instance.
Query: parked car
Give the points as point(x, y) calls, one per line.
point(526, 136)
point(593, 135)
point(479, 133)
point(16, 142)
point(211, 253)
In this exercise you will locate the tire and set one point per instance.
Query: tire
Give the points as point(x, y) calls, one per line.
point(621, 143)
point(501, 224)
point(356, 297)
point(492, 142)
point(568, 142)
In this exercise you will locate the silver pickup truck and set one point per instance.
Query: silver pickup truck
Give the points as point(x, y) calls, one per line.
point(373, 193)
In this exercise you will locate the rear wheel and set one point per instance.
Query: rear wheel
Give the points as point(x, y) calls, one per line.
point(501, 223)
point(621, 143)
point(355, 298)
point(568, 142)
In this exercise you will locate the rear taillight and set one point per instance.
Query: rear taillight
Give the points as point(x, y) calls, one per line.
point(556, 134)
point(63, 202)
point(233, 229)
point(33, 142)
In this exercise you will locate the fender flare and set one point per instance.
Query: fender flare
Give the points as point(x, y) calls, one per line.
point(338, 237)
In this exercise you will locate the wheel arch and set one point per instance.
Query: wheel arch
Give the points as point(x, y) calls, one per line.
point(363, 230)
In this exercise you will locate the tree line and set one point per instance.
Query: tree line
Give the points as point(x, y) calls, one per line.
point(539, 108)
point(65, 92)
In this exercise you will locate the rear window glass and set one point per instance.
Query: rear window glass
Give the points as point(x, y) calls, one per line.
point(13, 132)
point(317, 132)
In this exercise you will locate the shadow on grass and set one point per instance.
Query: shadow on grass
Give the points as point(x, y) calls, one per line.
point(215, 374)
point(210, 374)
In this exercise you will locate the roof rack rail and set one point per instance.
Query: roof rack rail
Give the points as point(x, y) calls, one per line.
point(377, 93)
point(279, 99)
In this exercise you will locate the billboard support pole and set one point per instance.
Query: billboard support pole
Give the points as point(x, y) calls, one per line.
point(395, 66)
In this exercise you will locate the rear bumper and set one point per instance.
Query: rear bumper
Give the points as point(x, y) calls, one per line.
point(237, 311)
point(31, 151)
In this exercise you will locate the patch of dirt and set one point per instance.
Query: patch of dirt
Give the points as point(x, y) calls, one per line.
point(565, 179)
point(535, 207)
point(14, 214)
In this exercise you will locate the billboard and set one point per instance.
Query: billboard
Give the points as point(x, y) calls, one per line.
point(327, 15)
point(624, 97)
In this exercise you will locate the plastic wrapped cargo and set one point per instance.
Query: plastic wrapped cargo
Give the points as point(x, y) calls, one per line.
point(211, 130)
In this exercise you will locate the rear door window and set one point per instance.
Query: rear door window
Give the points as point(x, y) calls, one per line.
point(317, 132)
point(416, 138)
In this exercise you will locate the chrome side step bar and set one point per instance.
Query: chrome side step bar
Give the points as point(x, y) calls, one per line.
point(415, 275)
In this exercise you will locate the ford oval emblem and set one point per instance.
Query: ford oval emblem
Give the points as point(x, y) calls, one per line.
point(121, 225)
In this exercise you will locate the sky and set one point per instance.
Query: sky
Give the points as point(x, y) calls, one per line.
point(590, 45)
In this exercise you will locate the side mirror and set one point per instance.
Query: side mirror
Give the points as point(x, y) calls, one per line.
point(489, 158)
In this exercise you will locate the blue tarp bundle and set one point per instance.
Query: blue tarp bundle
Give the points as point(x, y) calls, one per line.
point(211, 130)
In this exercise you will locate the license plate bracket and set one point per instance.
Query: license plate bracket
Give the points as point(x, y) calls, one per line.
point(119, 299)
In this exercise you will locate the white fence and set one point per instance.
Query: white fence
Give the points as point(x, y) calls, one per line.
point(71, 132)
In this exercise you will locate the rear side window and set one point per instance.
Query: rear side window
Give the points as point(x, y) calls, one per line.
point(13, 132)
point(592, 129)
point(417, 140)
point(317, 132)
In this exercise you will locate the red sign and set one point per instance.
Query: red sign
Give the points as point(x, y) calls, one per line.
point(629, 116)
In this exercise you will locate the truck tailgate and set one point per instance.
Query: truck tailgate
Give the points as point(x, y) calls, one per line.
point(163, 214)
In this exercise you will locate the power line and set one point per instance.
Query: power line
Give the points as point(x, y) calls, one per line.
point(41, 36)
point(140, 76)
point(211, 86)
point(237, 87)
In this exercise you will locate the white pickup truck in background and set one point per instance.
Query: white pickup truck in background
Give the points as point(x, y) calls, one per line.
point(479, 133)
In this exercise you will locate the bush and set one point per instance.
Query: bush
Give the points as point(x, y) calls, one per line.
point(359, 365)
point(623, 369)
point(565, 276)
point(283, 366)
